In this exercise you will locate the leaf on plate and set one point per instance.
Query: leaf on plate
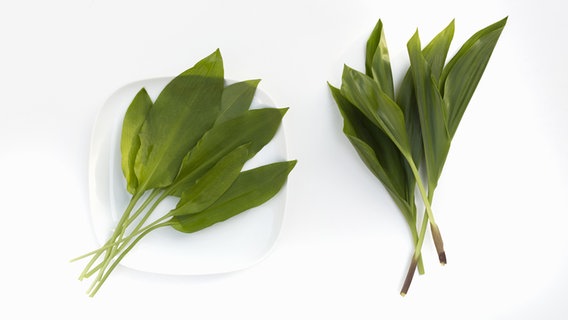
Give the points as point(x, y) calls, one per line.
point(255, 128)
point(130, 141)
point(251, 189)
point(185, 109)
point(237, 99)
point(211, 185)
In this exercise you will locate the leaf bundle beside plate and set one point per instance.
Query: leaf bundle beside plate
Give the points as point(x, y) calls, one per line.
point(399, 134)
point(190, 144)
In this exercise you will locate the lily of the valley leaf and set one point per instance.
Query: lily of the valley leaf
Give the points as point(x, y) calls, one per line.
point(396, 133)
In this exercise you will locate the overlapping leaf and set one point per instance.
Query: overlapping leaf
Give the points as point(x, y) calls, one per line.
point(211, 185)
point(192, 142)
point(186, 108)
point(255, 128)
point(394, 138)
point(236, 99)
point(251, 189)
point(431, 110)
point(130, 140)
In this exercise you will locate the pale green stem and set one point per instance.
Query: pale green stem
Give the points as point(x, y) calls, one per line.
point(107, 244)
point(100, 282)
point(117, 230)
point(116, 247)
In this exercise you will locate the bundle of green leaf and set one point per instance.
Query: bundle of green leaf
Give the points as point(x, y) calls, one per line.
point(190, 143)
point(399, 136)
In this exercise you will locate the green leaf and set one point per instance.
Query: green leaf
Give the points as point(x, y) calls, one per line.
point(186, 108)
point(379, 153)
point(431, 110)
point(130, 141)
point(255, 128)
point(368, 97)
point(251, 189)
point(213, 183)
point(436, 51)
point(462, 74)
point(377, 60)
point(237, 99)
point(435, 54)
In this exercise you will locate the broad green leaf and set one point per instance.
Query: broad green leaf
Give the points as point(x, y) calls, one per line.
point(184, 110)
point(436, 51)
point(388, 158)
point(130, 141)
point(368, 97)
point(431, 110)
point(378, 153)
point(237, 99)
point(255, 128)
point(462, 74)
point(435, 54)
point(251, 189)
point(211, 185)
point(377, 60)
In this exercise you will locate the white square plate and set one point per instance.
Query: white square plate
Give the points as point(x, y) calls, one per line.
point(231, 245)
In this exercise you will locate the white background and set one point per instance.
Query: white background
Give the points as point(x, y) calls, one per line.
point(344, 248)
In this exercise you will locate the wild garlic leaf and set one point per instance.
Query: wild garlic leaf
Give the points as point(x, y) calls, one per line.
point(211, 185)
point(254, 127)
point(186, 108)
point(130, 141)
point(377, 60)
point(251, 189)
point(237, 99)
point(463, 73)
point(431, 110)
point(192, 142)
point(367, 96)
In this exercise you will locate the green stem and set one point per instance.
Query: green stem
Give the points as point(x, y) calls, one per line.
point(117, 236)
point(416, 238)
point(121, 242)
point(127, 223)
point(101, 281)
point(416, 257)
point(418, 249)
point(125, 239)
point(117, 230)
point(436, 235)
point(150, 198)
